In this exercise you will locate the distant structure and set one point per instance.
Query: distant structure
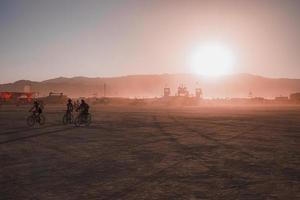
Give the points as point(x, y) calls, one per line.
point(167, 92)
point(182, 97)
point(104, 90)
point(54, 98)
point(281, 98)
point(51, 94)
point(17, 97)
point(198, 93)
point(182, 91)
point(295, 96)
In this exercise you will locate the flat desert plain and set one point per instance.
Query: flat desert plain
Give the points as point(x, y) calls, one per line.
point(152, 153)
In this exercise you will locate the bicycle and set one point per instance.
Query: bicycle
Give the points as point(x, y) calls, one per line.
point(68, 118)
point(83, 119)
point(32, 119)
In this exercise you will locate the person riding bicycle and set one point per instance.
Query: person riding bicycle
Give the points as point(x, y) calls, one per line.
point(70, 106)
point(83, 108)
point(36, 109)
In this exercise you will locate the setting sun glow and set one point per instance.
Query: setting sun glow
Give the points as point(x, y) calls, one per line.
point(212, 59)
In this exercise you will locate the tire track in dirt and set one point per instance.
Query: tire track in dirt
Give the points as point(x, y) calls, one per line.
point(35, 135)
point(176, 121)
point(218, 142)
point(158, 126)
point(159, 173)
point(47, 132)
point(26, 128)
point(97, 126)
point(256, 126)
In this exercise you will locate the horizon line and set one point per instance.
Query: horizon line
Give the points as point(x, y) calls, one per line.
point(158, 74)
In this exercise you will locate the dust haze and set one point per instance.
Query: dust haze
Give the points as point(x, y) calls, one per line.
point(149, 100)
point(149, 86)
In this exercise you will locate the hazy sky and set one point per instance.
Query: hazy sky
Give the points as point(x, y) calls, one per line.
point(41, 39)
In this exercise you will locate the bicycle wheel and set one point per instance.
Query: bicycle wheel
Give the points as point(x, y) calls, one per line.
point(42, 120)
point(88, 120)
point(30, 121)
point(65, 119)
point(71, 120)
point(77, 121)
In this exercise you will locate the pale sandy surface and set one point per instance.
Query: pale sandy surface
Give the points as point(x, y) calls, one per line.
point(152, 153)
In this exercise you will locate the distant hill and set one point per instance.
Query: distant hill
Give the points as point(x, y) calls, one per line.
point(237, 85)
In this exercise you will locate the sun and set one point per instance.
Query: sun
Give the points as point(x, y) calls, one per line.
point(212, 59)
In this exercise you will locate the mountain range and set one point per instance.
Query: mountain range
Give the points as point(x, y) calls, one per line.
point(236, 85)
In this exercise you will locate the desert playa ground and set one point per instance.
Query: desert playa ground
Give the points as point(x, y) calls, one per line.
point(153, 153)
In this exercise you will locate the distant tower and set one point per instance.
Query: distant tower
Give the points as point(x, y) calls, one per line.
point(182, 91)
point(167, 92)
point(104, 90)
point(198, 93)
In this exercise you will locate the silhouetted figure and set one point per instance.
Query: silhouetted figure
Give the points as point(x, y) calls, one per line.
point(83, 109)
point(36, 109)
point(70, 107)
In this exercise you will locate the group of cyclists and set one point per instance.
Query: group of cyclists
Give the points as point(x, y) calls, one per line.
point(82, 108)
